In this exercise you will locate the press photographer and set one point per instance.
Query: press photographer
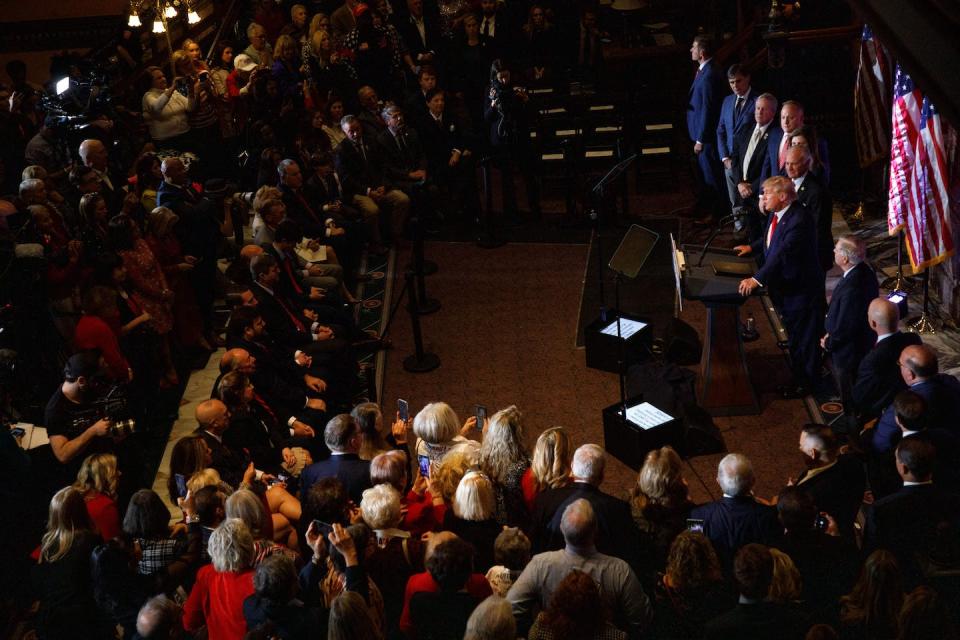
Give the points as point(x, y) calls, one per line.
point(84, 415)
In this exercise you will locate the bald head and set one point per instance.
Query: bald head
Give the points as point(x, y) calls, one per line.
point(237, 360)
point(918, 362)
point(435, 540)
point(883, 316)
point(174, 171)
point(579, 524)
point(212, 416)
point(93, 154)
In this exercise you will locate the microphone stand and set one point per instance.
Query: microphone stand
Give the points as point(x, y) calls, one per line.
point(713, 234)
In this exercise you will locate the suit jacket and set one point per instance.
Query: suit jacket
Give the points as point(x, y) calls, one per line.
point(731, 523)
point(309, 215)
point(907, 522)
point(942, 393)
point(790, 268)
point(703, 106)
point(617, 533)
point(230, 463)
point(259, 434)
point(813, 195)
point(358, 174)
point(771, 164)
point(739, 150)
point(730, 125)
point(878, 377)
point(440, 139)
point(198, 230)
point(348, 468)
point(278, 321)
point(827, 564)
point(850, 335)
point(837, 490)
point(760, 621)
point(397, 162)
point(411, 35)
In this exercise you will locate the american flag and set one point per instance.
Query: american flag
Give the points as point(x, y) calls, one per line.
point(905, 131)
point(871, 100)
point(928, 231)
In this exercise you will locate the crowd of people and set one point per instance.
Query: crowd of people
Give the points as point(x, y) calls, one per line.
point(301, 513)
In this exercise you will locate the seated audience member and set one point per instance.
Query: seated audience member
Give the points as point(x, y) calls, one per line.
point(755, 616)
point(878, 377)
point(911, 414)
point(692, 590)
point(511, 552)
point(491, 620)
point(444, 613)
point(373, 440)
point(835, 481)
point(423, 509)
point(919, 369)
point(396, 556)
point(160, 618)
point(97, 482)
point(213, 420)
point(245, 505)
point(737, 518)
point(449, 150)
point(169, 555)
point(61, 579)
point(476, 584)
point(660, 505)
point(826, 562)
point(616, 532)
point(342, 437)
point(920, 522)
point(274, 604)
point(575, 611)
point(471, 517)
point(925, 614)
point(216, 600)
point(504, 458)
point(619, 586)
point(872, 608)
point(438, 430)
point(189, 455)
point(550, 466)
point(210, 506)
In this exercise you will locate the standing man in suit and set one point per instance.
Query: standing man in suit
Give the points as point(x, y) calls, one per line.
point(495, 24)
point(749, 152)
point(421, 33)
point(815, 197)
point(737, 518)
point(791, 117)
point(736, 116)
point(835, 482)
point(920, 370)
point(342, 437)
point(703, 114)
point(791, 273)
point(878, 378)
point(848, 337)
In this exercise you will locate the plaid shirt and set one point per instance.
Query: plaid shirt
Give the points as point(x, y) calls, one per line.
point(156, 555)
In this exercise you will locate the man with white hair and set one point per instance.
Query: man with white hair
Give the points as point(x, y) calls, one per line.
point(618, 584)
point(617, 535)
point(737, 518)
point(94, 154)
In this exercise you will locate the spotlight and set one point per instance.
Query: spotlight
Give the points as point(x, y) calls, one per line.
point(899, 298)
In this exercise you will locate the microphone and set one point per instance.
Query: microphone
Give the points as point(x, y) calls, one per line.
point(738, 213)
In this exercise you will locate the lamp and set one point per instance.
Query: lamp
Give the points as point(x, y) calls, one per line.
point(158, 26)
point(170, 11)
point(193, 17)
point(133, 20)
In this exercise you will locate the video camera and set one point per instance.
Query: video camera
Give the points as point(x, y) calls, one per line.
point(78, 97)
point(112, 406)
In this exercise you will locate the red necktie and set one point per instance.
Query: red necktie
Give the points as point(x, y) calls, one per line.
point(773, 227)
point(259, 400)
point(293, 317)
point(289, 270)
point(783, 151)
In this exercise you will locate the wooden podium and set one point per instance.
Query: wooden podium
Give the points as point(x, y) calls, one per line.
point(724, 387)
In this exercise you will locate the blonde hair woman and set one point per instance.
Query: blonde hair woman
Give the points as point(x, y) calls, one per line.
point(471, 517)
point(504, 458)
point(787, 583)
point(550, 467)
point(97, 481)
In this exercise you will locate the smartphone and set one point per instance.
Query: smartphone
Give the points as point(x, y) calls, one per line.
point(324, 528)
point(181, 481)
point(695, 524)
point(403, 408)
point(481, 413)
point(821, 522)
point(203, 75)
point(424, 463)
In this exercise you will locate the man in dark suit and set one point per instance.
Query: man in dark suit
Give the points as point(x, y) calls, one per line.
point(213, 420)
point(848, 337)
point(402, 160)
point(362, 183)
point(342, 437)
point(703, 114)
point(792, 275)
point(497, 25)
point(421, 33)
point(94, 154)
point(749, 150)
point(737, 518)
point(815, 197)
point(791, 119)
point(450, 158)
point(617, 532)
point(836, 482)
point(916, 520)
point(878, 378)
point(920, 371)
point(754, 616)
point(736, 117)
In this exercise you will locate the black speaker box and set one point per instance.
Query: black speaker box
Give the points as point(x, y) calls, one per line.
point(681, 343)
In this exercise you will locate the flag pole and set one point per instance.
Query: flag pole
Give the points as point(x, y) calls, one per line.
point(899, 282)
point(924, 324)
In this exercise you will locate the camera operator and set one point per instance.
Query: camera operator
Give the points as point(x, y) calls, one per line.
point(75, 426)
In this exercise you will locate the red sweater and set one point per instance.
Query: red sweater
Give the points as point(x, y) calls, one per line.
point(477, 586)
point(422, 514)
point(93, 333)
point(217, 601)
point(103, 511)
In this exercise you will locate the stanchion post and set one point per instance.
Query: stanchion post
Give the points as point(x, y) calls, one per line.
point(426, 305)
point(420, 361)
